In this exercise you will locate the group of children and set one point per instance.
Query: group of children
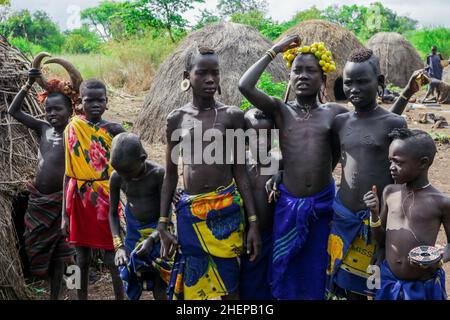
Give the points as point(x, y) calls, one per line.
point(221, 236)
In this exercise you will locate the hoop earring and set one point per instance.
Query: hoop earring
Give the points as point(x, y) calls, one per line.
point(185, 85)
point(219, 90)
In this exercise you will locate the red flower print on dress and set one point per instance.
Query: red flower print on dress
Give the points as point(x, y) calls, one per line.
point(102, 205)
point(71, 138)
point(97, 156)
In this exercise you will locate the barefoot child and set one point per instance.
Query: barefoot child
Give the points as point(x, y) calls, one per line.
point(364, 143)
point(210, 216)
point(255, 277)
point(45, 245)
point(412, 212)
point(304, 209)
point(138, 257)
point(87, 142)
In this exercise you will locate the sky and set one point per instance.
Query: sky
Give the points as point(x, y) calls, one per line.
point(428, 13)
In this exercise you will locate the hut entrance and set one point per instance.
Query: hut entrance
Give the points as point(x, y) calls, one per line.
point(339, 89)
point(19, 208)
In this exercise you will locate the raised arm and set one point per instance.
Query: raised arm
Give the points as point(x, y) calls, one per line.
point(247, 84)
point(15, 108)
point(169, 184)
point(411, 88)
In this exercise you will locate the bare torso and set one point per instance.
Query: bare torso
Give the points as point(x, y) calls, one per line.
point(200, 177)
point(412, 220)
point(364, 145)
point(306, 147)
point(51, 165)
point(144, 194)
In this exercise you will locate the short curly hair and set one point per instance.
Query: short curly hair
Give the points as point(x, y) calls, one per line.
point(366, 55)
point(421, 143)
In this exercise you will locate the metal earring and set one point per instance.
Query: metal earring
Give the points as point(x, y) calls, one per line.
point(185, 85)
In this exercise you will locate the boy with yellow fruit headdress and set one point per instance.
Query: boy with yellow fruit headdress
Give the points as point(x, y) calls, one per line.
point(319, 50)
point(304, 210)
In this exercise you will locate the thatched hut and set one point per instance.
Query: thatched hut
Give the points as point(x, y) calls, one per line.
point(237, 46)
point(338, 40)
point(18, 161)
point(398, 58)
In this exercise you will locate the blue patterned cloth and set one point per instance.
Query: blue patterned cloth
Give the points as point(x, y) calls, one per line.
point(345, 228)
point(395, 289)
point(141, 272)
point(300, 237)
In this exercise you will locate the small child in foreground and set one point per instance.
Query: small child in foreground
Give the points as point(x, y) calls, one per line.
point(411, 214)
point(138, 258)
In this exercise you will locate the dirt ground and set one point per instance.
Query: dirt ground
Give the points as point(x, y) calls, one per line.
point(124, 109)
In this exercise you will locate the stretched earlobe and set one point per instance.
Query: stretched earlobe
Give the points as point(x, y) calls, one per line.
point(286, 96)
point(185, 85)
point(381, 80)
point(219, 90)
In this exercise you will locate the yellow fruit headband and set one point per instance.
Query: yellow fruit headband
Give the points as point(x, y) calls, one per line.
point(318, 49)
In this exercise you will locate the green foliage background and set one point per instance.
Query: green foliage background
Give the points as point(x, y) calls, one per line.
point(119, 39)
point(267, 85)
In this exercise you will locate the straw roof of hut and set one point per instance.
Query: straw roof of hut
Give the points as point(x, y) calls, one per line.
point(341, 42)
point(238, 47)
point(18, 161)
point(398, 58)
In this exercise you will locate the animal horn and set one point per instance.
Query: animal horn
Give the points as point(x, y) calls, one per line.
point(36, 64)
point(75, 76)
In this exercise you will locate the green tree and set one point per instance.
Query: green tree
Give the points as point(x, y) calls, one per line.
point(206, 17)
point(380, 18)
point(424, 38)
point(366, 21)
point(257, 19)
point(229, 7)
point(254, 18)
point(37, 28)
point(167, 12)
point(350, 17)
point(105, 18)
point(81, 41)
point(273, 30)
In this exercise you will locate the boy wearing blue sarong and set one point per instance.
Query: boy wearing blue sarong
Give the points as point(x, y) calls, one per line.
point(351, 250)
point(363, 141)
point(138, 258)
point(411, 214)
point(300, 234)
point(304, 210)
